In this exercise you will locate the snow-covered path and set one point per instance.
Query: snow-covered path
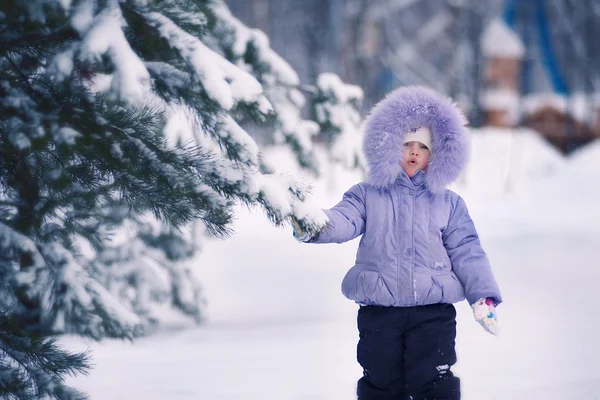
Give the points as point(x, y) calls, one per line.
point(280, 329)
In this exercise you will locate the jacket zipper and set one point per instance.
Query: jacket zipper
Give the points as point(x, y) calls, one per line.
point(414, 281)
point(398, 240)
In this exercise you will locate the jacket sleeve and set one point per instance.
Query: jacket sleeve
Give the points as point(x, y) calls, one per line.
point(469, 261)
point(346, 219)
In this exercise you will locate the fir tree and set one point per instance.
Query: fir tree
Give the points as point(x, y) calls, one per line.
point(334, 105)
point(337, 110)
point(118, 129)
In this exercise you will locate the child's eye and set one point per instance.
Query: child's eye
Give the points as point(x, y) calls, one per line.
point(424, 147)
point(406, 144)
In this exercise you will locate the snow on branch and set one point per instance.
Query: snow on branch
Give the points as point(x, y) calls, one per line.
point(13, 242)
point(106, 157)
point(224, 82)
point(285, 195)
point(230, 29)
point(231, 178)
point(105, 37)
point(71, 301)
point(337, 109)
point(250, 49)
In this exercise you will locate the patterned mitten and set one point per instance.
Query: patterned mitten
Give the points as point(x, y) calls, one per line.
point(485, 313)
point(299, 234)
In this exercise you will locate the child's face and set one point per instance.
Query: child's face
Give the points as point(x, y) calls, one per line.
point(415, 157)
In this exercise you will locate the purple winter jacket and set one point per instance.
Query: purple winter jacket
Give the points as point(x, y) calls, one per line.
point(419, 246)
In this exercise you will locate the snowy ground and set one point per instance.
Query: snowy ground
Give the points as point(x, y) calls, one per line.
point(279, 328)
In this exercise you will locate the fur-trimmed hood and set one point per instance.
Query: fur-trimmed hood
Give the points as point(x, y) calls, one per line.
point(412, 107)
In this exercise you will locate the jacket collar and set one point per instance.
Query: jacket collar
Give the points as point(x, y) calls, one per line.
point(417, 181)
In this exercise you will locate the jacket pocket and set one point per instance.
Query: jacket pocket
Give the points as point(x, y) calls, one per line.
point(449, 286)
point(434, 294)
point(367, 287)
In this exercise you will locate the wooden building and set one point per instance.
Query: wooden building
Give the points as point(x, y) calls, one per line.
point(567, 122)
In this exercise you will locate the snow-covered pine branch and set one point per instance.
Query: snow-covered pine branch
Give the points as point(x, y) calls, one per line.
point(104, 148)
point(250, 50)
point(337, 110)
point(123, 122)
point(34, 366)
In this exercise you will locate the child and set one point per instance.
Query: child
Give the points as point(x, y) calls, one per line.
point(419, 252)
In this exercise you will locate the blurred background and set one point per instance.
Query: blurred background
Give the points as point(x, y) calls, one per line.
point(508, 63)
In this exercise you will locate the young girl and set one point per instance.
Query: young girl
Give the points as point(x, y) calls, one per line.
point(419, 252)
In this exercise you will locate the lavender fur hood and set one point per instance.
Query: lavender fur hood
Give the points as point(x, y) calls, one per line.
point(413, 107)
point(419, 245)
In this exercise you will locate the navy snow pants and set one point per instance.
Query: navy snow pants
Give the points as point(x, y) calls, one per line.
point(406, 353)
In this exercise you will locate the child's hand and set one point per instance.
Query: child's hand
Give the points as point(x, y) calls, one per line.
point(484, 312)
point(299, 234)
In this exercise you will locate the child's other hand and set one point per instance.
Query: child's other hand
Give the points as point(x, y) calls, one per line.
point(484, 312)
point(299, 234)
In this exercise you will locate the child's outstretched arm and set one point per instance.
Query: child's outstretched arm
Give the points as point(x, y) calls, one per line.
point(469, 261)
point(346, 220)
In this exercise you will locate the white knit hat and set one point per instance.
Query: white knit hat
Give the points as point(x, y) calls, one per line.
point(421, 134)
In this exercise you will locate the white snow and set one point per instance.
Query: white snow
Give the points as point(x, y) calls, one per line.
point(101, 83)
point(20, 140)
point(283, 71)
point(499, 40)
point(279, 328)
point(67, 135)
point(63, 63)
point(233, 133)
point(65, 4)
point(81, 292)
point(12, 240)
point(83, 16)
point(131, 80)
point(499, 99)
point(223, 81)
point(578, 105)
